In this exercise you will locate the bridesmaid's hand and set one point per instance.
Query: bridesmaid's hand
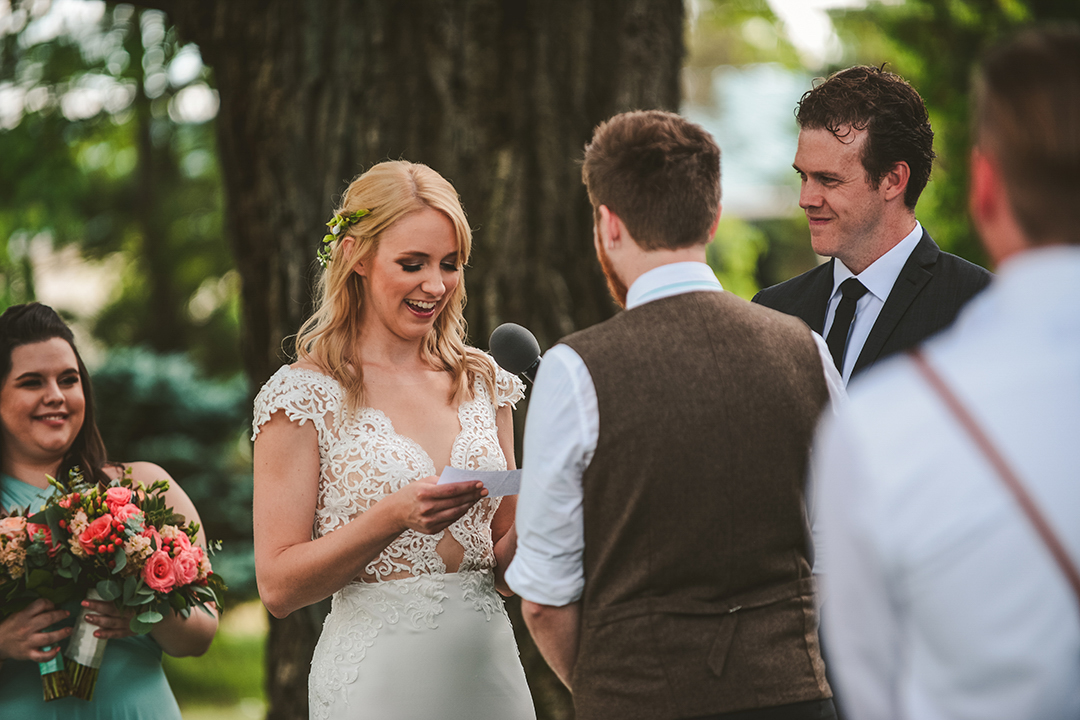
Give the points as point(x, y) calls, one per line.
point(112, 622)
point(22, 634)
point(428, 508)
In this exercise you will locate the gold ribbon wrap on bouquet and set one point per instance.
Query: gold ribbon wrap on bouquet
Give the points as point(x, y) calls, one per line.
point(84, 653)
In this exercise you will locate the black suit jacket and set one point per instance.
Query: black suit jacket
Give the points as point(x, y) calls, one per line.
point(929, 292)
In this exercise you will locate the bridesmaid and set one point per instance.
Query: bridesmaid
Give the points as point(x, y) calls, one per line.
point(47, 427)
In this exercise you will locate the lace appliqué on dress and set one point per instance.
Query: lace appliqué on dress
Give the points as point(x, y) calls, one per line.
point(362, 460)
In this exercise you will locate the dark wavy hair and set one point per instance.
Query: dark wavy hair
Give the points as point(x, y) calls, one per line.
point(34, 323)
point(888, 108)
point(657, 171)
point(1027, 116)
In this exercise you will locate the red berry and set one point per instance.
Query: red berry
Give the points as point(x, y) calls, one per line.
point(63, 523)
point(111, 547)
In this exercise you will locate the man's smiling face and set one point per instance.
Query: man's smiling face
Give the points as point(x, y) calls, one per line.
point(843, 209)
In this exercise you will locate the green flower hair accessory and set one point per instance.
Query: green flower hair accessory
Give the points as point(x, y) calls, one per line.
point(337, 226)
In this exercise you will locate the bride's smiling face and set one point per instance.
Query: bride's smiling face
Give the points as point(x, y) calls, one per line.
point(412, 275)
point(42, 405)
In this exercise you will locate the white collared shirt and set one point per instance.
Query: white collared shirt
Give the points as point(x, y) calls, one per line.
point(942, 601)
point(878, 279)
point(561, 432)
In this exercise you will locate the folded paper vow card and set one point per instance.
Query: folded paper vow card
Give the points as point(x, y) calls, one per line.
point(498, 483)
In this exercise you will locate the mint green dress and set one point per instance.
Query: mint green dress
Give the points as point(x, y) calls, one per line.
point(131, 684)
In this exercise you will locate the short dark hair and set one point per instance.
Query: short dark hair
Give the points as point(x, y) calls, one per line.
point(34, 323)
point(1027, 116)
point(657, 171)
point(888, 108)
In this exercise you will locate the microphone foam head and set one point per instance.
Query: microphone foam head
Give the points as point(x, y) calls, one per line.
point(513, 347)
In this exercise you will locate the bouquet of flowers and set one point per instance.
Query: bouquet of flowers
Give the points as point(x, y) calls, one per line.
point(120, 544)
point(33, 565)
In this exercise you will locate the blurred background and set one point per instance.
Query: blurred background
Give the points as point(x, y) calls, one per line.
point(166, 167)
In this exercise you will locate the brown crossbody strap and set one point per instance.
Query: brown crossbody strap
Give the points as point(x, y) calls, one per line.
point(1061, 556)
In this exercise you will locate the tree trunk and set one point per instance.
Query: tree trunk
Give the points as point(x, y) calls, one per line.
point(164, 329)
point(499, 96)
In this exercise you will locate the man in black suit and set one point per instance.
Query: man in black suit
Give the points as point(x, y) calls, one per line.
point(864, 156)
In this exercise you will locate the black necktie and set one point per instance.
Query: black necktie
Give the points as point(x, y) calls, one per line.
point(852, 290)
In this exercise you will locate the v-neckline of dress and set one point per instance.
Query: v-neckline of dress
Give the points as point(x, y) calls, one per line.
point(416, 445)
point(393, 430)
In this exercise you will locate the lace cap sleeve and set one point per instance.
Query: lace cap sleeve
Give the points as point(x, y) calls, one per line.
point(508, 388)
point(303, 395)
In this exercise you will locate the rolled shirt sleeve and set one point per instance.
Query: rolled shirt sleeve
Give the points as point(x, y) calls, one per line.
point(561, 432)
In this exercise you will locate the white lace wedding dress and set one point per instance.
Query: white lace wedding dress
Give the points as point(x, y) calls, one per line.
point(409, 640)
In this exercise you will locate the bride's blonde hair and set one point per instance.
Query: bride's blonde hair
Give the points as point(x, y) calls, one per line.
point(389, 191)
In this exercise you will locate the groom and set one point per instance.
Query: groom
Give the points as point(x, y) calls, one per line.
point(663, 543)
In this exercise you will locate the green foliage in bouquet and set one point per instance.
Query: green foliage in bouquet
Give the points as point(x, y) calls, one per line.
point(128, 546)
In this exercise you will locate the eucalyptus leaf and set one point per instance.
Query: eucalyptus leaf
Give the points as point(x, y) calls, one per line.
point(140, 628)
point(108, 589)
point(150, 616)
point(37, 578)
point(120, 557)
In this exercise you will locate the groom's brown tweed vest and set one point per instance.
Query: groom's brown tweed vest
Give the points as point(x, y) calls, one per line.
point(698, 595)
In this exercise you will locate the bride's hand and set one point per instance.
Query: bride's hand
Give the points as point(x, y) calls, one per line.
point(428, 508)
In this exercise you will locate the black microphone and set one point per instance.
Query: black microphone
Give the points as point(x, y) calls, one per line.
point(516, 350)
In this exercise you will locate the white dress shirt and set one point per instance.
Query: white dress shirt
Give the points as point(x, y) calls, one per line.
point(561, 432)
point(878, 278)
point(942, 601)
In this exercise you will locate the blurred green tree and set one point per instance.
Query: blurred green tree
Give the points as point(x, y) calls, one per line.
point(103, 152)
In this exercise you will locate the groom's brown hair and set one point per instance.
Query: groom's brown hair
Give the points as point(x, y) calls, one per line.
point(659, 173)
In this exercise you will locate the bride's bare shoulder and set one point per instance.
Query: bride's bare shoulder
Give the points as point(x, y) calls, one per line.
point(308, 364)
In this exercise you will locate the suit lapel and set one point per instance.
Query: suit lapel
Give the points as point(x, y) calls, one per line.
point(813, 311)
point(913, 278)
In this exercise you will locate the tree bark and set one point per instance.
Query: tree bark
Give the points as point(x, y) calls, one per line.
point(499, 96)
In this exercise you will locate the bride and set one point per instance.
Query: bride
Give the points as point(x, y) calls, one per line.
point(348, 442)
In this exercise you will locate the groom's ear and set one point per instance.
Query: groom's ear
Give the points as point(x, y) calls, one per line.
point(610, 230)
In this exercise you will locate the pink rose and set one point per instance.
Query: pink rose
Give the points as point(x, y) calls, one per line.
point(158, 572)
point(34, 530)
point(13, 527)
point(182, 541)
point(186, 567)
point(100, 529)
point(123, 513)
point(117, 497)
point(155, 537)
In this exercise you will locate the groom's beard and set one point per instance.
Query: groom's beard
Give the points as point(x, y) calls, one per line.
point(616, 287)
